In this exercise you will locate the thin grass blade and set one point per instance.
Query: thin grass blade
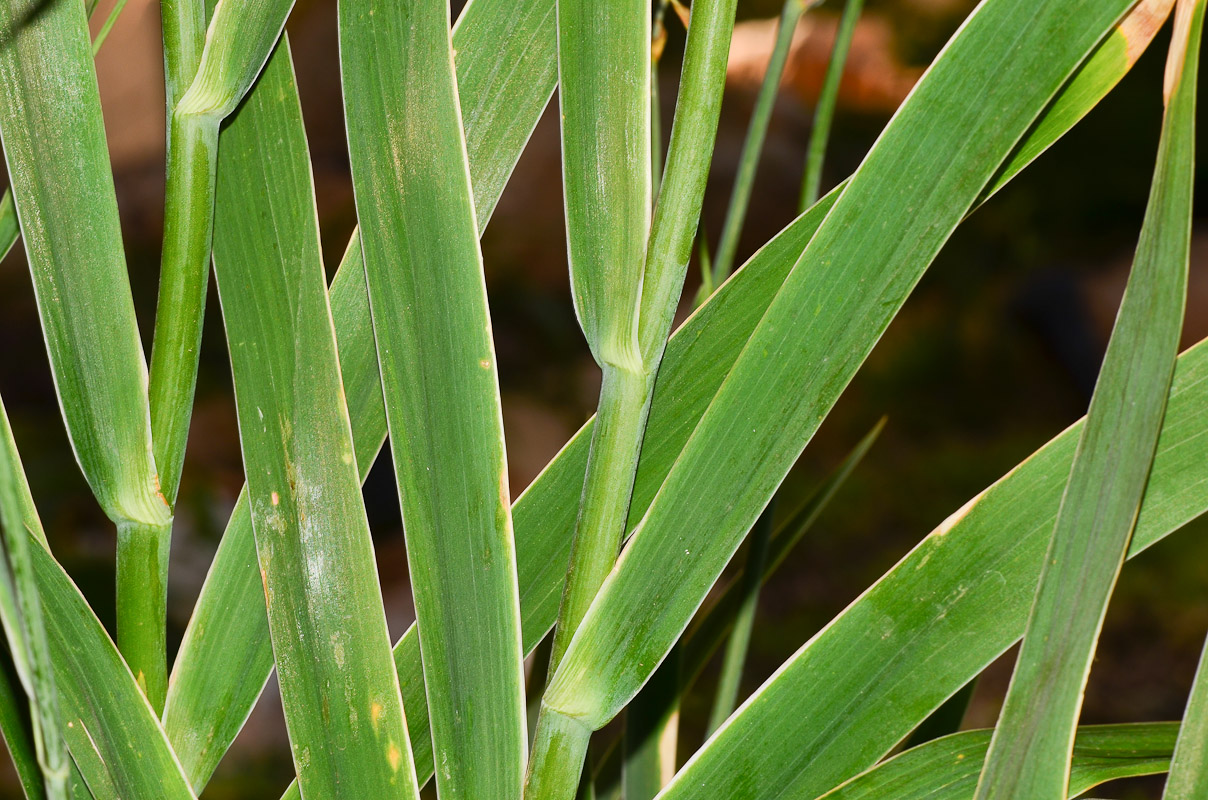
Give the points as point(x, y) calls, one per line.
point(506, 72)
point(887, 225)
point(946, 769)
point(339, 688)
point(1189, 770)
point(22, 615)
point(1030, 753)
point(226, 627)
point(54, 141)
point(824, 111)
point(117, 745)
point(427, 297)
point(956, 602)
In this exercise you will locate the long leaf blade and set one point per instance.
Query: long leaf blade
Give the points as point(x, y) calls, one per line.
point(506, 71)
point(887, 225)
point(604, 90)
point(427, 297)
point(338, 687)
point(947, 768)
point(1030, 753)
point(210, 704)
point(956, 602)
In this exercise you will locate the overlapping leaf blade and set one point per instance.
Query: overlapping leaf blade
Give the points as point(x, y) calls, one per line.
point(207, 706)
point(339, 688)
point(891, 219)
point(949, 608)
point(427, 297)
point(1030, 753)
point(506, 74)
point(947, 768)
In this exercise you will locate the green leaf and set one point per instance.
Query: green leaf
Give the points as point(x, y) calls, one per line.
point(604, 74)
point(338, 686)
point(945, 611)
point(22, 615)
point(1189, 771)
point(947, 768)
point(506, 72)
point(116, 742)
point(1030, 753)
point(824, 110)
point(884, 230)
point(54, 142)
point(225, 659)
point(437, 359)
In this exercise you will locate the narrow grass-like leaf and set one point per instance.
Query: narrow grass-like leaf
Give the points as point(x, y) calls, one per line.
point(1030, 753)
point(604, 77)
point(339, 688)
point(116, 742)
point(506, 72)
point(218, 71)
point(947, 768)
point(752, 146)
point(824, 111)
point(956, 602)
point(9, 227)
point(54, 141)
point(924, 177)
point(207, 706)
point(22, 615)
point(1189, 770)
point(627, 386)
point(427, 297)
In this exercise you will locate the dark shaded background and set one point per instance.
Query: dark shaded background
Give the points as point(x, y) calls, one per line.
point(995, 353)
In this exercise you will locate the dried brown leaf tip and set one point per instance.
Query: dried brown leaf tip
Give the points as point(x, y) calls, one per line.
point(1141, 25)
point(1178, 46)
point(681, 11)
point(658, 41)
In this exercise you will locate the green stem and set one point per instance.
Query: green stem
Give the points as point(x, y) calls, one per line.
point(142, 605)
point(824, 112)
point(740, 637)
point(184, 273)
point(559, 752)
point(757, 131)
point(604, 506)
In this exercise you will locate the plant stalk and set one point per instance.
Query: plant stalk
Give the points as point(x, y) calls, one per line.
point(824, 112)
point(752, 146)
point(184, 274)
point(604, 505)
point(142, 605)
point(559, 751)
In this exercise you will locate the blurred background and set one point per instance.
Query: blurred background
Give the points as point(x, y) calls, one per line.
point(995, 352)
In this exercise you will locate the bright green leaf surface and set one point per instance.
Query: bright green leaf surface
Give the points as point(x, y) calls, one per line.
point(506, 74)
point(54, 142)
point(854, 690)
point(427, 297)
point(890, 221)
point(1030, 753)
point(604, 74)
point(208, 705)
point(338, 686)
point(947, 768)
